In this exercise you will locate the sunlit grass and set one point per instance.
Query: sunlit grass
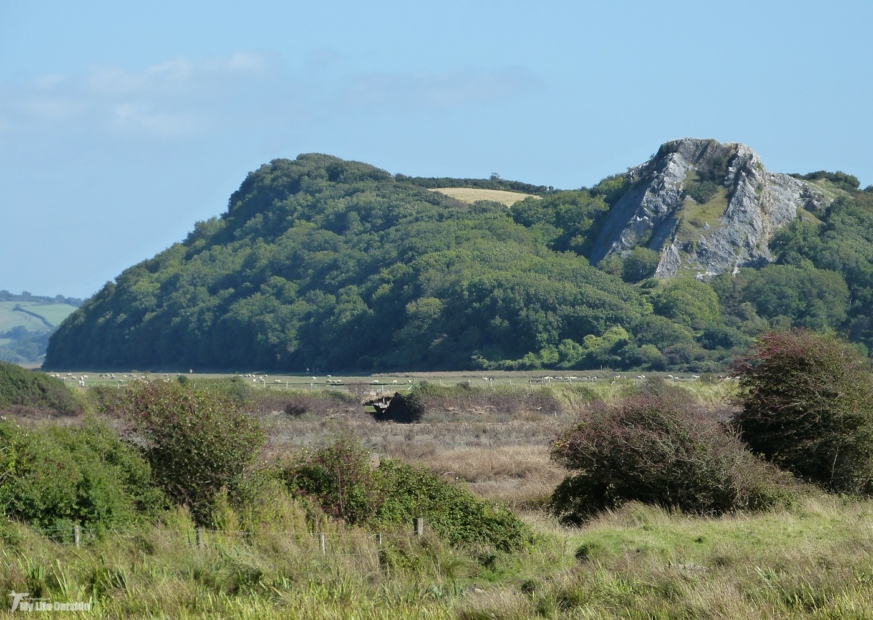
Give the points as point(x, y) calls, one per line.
point(472, 194)
point(814, 560)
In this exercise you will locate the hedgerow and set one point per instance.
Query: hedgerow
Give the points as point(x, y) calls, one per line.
point(34, 389)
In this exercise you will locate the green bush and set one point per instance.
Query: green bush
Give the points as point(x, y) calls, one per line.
point(701, 191)
point(53, 477)
point(341, 480)
point(465, 398)
point(196, 441)
point(612, 188)
point(808, 407)
point(451, 511)
point(720, 336)
point(235, 388)
point(640, 264)
point(34, 389)
point(656, 448)
point(661, 332)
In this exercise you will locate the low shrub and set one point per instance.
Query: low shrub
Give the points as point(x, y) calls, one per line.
point(660, 390)
point(450, 510)
point(52, 477)
point(341, 479)
point(35, 389)
point(296, 407)
point(297, 403)
point(701, 191)
point(659, 451)
point(235, 388)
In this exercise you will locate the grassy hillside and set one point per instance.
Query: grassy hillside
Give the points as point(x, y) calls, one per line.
point(34, 389)
point(472, 194)
point(25, 324)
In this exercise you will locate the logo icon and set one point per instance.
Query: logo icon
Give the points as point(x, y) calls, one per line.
point(17, 598)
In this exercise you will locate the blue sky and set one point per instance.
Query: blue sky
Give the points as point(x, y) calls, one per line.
point(122, 124)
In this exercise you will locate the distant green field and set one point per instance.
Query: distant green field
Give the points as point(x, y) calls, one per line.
point(53, 313)
point(10, 319)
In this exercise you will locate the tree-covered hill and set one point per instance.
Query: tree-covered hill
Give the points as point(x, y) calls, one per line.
point(322, 263)
point(325, 264)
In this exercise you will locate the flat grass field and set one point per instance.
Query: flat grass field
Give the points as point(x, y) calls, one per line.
point(384, 383)
point(471, 195)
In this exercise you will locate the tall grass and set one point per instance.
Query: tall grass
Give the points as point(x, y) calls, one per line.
point(814, 560)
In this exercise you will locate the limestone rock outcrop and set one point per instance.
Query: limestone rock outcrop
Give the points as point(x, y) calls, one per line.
point(704, 206)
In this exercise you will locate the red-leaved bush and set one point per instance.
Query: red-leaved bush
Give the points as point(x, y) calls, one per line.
point(808, 408)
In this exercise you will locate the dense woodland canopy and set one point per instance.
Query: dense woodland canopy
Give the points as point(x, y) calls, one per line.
point(329, 265)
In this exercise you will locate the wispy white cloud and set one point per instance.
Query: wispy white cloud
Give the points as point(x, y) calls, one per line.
point(173, 98)
point(186, 97)
point(441, 89)
point(142, 118)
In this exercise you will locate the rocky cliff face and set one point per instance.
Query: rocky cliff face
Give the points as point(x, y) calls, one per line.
point(705, 207)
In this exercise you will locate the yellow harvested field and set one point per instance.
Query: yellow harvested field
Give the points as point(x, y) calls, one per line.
point(472, 194)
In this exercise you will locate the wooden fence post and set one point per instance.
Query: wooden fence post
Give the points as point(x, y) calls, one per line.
point(76, 536)
point(198, 536)
point(322, 543)
point(418, 525)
